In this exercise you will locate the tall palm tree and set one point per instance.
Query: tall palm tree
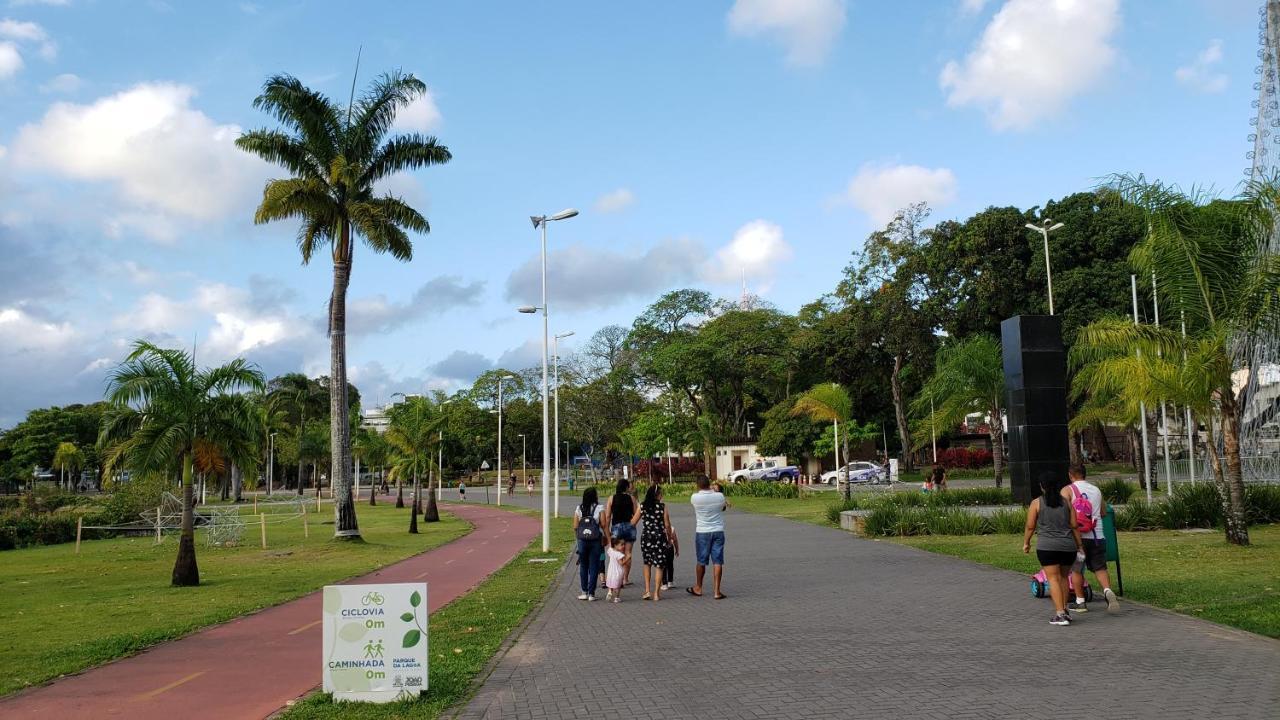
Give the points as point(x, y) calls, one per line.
point(828, 402)
point(166, 411)
point(336, 156)
point(67, 457)
point(372, 449)
point(968, 378)
point(412, 434)
point(1214, 263)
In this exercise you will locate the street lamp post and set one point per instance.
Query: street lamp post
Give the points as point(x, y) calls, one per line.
point(1044, 228)
point(524, 470)
point(540, 221)
point(271, 465)
point(500, 379)
point(440, 457)
point(555, 355)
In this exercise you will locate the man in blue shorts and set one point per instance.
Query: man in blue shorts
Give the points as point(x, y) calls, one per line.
point(708, 508)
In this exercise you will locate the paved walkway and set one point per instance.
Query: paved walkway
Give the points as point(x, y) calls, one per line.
point(251, 666)
point(819, 624)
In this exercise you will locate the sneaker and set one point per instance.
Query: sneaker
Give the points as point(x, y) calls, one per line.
point(1113, 603)
point(1060, 619)
point(591, 598)
point(1078, 607)
point(582, 596)
point(617, 599)
point(665, 587)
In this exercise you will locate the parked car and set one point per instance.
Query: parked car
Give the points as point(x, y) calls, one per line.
point(857, 472)
point(766, 469)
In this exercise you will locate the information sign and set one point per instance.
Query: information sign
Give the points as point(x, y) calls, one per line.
point(375, 641)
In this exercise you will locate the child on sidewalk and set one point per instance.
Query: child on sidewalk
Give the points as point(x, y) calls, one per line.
point(669, 567)
point(613, 576)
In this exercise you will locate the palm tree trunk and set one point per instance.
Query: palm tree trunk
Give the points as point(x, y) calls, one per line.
point(1233, 493)
point(302, 426)
point(413, 516)
point(899, 410)
point(1149, 457)
point(1105, 453)
point(237, 483)
point(996, 429)
point(344, 506)
point(185, 571)
point(432, 513)
point(399, 492)
point(373, 489)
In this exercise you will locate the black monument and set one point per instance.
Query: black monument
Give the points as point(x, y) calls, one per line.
point(1035, 381)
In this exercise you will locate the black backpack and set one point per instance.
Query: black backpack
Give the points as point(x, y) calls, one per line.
point(589, 527)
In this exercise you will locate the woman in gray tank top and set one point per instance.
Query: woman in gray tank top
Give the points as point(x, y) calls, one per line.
point(1053, 520)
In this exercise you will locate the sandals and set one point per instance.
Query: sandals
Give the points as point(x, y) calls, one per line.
point(645, 596)
point(691, 592)
point(721, 596)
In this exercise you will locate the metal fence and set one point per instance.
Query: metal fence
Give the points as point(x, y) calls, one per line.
point(1262, 469)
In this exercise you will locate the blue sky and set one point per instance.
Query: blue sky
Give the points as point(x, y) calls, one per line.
point(700, 141)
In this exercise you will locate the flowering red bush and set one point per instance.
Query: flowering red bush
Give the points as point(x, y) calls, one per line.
point(679, 466)
point(964, 458)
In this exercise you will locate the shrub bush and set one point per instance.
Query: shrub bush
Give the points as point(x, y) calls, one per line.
point(1193, 506)
point(19, 529)
point(131, 498)
point(954, 521)
point(964, 458)
point(1139, 515)
point(1117, 491)
point(1262, 503)
point(834, 509)
point(1009, 522)
point(761, 489)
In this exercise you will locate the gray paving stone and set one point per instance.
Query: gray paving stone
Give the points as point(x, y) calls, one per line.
point(819, 624)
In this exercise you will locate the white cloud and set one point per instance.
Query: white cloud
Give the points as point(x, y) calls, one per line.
point(51, 3)
point(525, 355)
point(757, 249)
point(10, 60)
point(463, 365)
point(421, 115)
point(881, 191)
point(162, 156)
point(1203, 74)
point(377, 314)
point(805, 28)
point(29, 32)
point(22, 332)
point(972, 7)
point(64, 84)
point(157, 227)
point(615, 201)
point(1034, 56)
point(591, 276)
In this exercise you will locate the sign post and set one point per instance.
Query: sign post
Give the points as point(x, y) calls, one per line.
point(375, 641)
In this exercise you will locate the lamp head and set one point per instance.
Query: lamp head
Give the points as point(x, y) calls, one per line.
point(561, 336)
point(564, 214)
point(1056, 226)
point(537, 220)
point(1029, 226)
point(527, 309)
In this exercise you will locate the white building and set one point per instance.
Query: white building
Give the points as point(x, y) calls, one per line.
point(375, 419)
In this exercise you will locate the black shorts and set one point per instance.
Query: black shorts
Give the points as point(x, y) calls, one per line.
point(1065, 558)
point(1095, 556)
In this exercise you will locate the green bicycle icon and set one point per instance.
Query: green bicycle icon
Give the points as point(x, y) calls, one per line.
point(371, 598)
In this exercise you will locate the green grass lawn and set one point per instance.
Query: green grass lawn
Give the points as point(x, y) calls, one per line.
point(463, 637)
point(114, 598)
point(1195, 574)
point(810, 507)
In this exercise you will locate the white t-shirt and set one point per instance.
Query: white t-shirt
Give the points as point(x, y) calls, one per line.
point(708, 507)
point(596, 513)
point(1094, 495)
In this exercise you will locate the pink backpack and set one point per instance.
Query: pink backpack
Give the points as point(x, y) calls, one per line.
point(1084, 510)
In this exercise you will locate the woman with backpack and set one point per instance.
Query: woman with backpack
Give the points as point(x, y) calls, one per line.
point(1058, 545)
point(589, 529)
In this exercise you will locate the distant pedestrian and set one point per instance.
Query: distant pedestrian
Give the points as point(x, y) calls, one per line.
point(619, 517)
point(588, 528)
point(614, 575)
point(654, 539)
point(1058, 545)
point(528, 486)
point(708, 537)
point(1084, 494)
point(938, 478)
point(511, 484)
point(462, 490)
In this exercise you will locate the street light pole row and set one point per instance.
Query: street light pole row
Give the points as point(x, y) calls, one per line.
point(540, 221)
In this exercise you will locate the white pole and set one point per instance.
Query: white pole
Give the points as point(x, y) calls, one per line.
point(1142, 406)
point(1191, 445)
point(357, 478)
point(670, 477)
point(271, 465)
point(500, 378)
point(546, 435)
point(1048, 274)
point(524, 468)
point(1164, 419)
point(555, 359)
point(440, 465)
point(835, 433)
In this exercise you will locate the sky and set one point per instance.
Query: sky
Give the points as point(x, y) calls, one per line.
point(703, 143)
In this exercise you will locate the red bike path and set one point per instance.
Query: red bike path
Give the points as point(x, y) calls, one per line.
point(253, 665)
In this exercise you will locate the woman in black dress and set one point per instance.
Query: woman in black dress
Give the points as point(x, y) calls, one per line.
point(654, 540)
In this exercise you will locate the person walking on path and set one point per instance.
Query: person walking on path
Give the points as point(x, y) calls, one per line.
point(1095, 541)
point(462, 490)
point(669, 562)
point(654, 542)
point(589, 529)
point(613, 576)
point(1058, 545)
point(620, 517)
point(708, 537)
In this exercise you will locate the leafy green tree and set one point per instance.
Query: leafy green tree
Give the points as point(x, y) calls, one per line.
point(34, 441)
point(785, 433)
point(337, 156)
point(969, 378)
point(373, 450)
point(1213, 263)
point(829, 403)
point(68, 458)
point(165, 411)
point(300, 398)
point(412, 434)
